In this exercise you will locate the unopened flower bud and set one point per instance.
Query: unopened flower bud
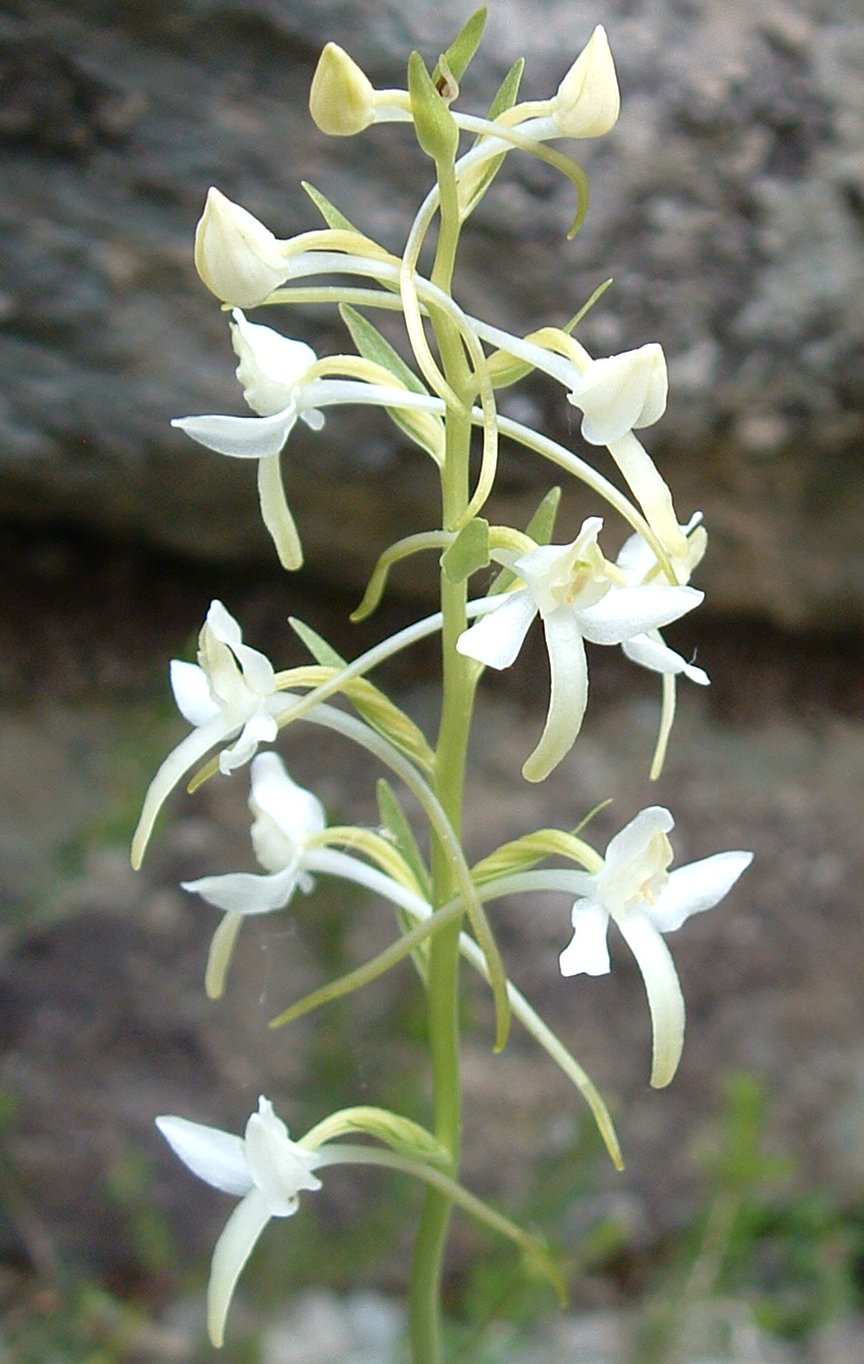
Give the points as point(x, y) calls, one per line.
point(588, 99)
point(342, 99)
point(237, 257)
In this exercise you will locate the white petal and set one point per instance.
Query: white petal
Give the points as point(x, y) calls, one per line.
point(587, 953)
point(270, 365)
point(313, 418)
point(245, 892)
point(663, 988)
point(240, 437)
point(629, 843)
point(276, 514)
point(257, 669)
point(215, 1156)
point(260, 728)
point(568, 693)
point(636, 558)
point(628, 611)
point(223, 625)
point(233, 1249)
point(495, 639)
point(652, 652)
point(280, 1168)
point(188, 753)
point(192, 692)
point(296, 812)
point(697, 887)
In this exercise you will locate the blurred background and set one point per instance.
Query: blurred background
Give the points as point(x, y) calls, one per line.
point(728, 205)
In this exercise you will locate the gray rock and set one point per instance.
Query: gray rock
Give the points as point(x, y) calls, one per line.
point(321, 1328)
point(728, 204)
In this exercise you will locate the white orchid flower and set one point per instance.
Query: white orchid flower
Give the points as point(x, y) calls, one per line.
point(268, 1171)
point(279, 384)
point(264, 1168)
point(242, 262)
point(616, 394)
point(579, 596)
point(271, 371)
point(230, 693)
point(636, 889)
point(287, 820)
point(232, 683)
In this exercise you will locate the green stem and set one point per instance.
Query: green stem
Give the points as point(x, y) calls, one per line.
point(450, 755)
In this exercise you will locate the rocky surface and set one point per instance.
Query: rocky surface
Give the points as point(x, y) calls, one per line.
point(727, 204)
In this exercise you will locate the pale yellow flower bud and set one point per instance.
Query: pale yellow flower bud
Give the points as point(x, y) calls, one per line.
point(237, 257)
point(342, 99)
point(588, 99)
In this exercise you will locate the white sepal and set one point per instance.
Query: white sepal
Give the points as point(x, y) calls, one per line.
point(244, 892)
point(649, 651)
point(696, 887)
point(192, 692)
point(587, 953)
point(496, 638)
point(215, 1156)
point(241, 437)
point(628, 611)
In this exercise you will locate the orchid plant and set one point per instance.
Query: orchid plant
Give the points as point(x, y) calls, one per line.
point(441, 392)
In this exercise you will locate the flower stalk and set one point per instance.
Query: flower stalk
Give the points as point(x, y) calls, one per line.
point(495, 581)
